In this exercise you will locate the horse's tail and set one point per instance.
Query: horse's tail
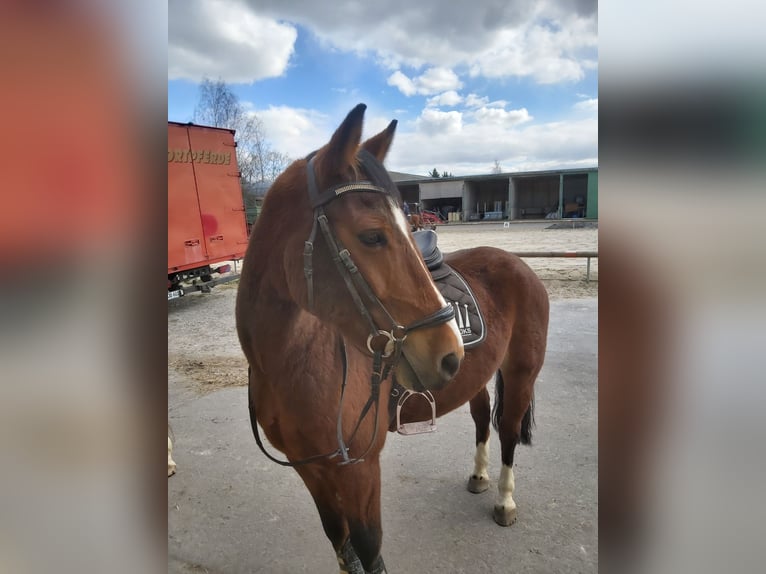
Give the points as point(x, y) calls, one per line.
point(497, 412)
point(527, 423)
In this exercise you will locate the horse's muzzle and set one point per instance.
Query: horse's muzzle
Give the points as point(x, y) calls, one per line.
point(428, 372)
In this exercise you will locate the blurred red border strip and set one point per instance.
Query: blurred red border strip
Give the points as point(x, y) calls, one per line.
point(68, 175)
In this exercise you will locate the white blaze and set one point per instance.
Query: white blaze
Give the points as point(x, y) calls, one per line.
point(404, 227)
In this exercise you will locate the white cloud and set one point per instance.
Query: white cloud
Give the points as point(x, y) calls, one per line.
point(432, 81)
point(429, 142)
point(550, 40)
point(589, 105)
point(245, 40)
point(476, 101)
point(449, 99)
point(548, 53)
point(225, 40)
point(299, 131)
point(435, 122)
point(462, 143)
point(500, 116)
point(436, 80)
point(294, 131)
point(405, 85)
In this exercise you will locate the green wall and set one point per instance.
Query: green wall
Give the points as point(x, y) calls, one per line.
point(592, 210)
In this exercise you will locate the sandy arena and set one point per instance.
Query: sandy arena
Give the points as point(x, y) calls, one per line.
point(219, 362)
point(563, 277)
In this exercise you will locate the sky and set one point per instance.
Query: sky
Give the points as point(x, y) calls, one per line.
point(471, 83)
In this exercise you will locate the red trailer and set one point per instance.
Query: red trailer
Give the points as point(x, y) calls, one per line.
point(206, 212)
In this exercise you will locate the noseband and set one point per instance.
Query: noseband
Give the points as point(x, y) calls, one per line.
point(382, 344)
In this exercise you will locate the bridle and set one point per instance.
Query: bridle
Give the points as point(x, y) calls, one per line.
point(355, 282)
point(382, 344)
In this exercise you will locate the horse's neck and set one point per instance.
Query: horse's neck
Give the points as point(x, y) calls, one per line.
point(294, 349)
point(282, 324)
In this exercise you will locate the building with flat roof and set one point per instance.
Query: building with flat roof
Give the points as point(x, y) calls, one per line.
point(550, 194)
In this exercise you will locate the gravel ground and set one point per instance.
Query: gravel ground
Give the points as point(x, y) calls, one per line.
point(230, 510)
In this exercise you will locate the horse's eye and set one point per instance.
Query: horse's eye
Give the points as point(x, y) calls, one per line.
point(373, 238)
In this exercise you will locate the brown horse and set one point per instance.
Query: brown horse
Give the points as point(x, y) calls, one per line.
point(335, 301)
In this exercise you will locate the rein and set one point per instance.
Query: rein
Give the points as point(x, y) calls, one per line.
point(382, 344)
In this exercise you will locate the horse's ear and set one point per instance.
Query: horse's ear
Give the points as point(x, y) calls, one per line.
point(341, 151)
point(378, 145)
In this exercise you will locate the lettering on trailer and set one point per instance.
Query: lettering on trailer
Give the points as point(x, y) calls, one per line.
point(198, 156)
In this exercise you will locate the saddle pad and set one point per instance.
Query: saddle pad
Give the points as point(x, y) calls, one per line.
point(456, 291)
point(470, 321)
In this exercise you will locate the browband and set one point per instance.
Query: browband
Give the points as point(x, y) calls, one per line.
point(370, 164)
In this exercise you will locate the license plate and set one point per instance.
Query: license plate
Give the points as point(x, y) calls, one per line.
point(175, 294)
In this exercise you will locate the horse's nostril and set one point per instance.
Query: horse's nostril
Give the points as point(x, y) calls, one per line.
point(450, 364)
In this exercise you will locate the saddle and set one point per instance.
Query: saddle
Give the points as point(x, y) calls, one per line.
point(470, 322)
point(453, 288)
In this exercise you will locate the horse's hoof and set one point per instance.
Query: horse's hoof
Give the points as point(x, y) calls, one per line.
point(477, 484)
point(504, 516)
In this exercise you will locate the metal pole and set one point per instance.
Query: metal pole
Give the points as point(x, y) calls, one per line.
point(561, 196)
point(555, 253)
point(586, 254)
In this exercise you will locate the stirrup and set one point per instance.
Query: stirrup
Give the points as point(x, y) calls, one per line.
point(419, 427)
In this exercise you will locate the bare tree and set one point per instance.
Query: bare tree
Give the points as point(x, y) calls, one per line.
point(276, 162)
point(218, 106)
point(496, 168)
